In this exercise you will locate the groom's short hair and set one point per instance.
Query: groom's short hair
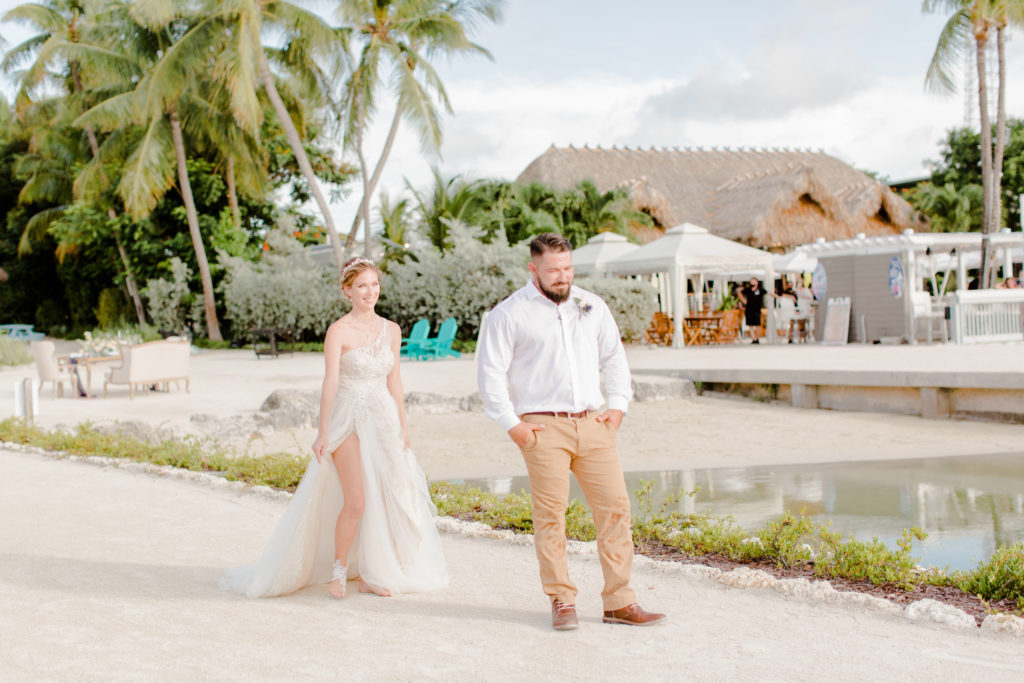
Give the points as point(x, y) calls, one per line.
point(548, 241)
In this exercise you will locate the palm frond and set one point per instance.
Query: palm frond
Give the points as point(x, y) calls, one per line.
point(943, 67)
point(37, 227)
point(149, 171)
point(111, 113)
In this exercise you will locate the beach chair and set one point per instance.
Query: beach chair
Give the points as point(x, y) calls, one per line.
point(412, 346)
point(441, 345)
point(50, 369)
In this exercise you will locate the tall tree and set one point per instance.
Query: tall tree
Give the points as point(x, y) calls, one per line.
point(60, 23)
point(395, 40)
point(162, 98)
point(977, 21)
point(233, 31)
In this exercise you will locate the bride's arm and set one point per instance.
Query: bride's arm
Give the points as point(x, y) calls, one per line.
point(395, 379)
point(332, 359)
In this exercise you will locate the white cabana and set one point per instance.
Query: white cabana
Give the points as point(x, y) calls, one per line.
point(687, 250)
point(590, 259)
point(795, 262)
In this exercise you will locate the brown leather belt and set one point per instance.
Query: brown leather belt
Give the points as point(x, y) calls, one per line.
point(557, 413)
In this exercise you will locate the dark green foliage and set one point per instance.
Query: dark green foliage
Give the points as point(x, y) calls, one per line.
point(952, 196)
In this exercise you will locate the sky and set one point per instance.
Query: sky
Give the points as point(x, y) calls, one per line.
point(844, 77)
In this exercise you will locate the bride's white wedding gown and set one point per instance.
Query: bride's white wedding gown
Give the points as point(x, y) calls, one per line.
point(397, 547)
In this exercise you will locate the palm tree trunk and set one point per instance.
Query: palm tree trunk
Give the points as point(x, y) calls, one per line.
point(981, 38)
point(364, 205)
point(371, 187)
point(212, 327)
point(997, 162)
point(236, 216)
point(295, 142)
point(129, 279)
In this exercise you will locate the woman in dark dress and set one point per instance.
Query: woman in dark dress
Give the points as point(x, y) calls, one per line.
point(752, 295)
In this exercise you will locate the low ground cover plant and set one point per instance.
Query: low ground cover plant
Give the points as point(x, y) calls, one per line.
point(787, 541)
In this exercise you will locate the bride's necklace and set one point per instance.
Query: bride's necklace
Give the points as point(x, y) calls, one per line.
point(366, 330)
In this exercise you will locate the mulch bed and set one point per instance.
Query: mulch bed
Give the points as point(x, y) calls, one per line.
point(946, 594)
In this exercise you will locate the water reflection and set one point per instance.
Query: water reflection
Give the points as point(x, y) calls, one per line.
point(968, 505)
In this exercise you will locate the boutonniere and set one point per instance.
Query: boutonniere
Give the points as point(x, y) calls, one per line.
point(583, 308)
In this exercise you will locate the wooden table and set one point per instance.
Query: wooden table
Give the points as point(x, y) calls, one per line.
point(86, 362)
point(702, 329)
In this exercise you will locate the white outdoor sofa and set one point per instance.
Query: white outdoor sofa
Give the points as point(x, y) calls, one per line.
point(152, 363)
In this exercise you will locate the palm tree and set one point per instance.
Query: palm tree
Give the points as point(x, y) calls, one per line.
point(234, 32)
point(451, 199)
point(396, 39)
point(161, 99)
point(60, 25)
point(976, 20)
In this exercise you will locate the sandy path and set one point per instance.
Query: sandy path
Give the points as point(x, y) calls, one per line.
point(108, 574)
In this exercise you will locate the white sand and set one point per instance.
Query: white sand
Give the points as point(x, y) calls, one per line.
point(107, 574)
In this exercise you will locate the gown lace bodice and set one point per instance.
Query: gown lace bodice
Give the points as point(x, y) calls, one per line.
point(397, 547)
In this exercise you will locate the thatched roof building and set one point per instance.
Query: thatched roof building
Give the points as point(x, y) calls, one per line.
point(761, 197)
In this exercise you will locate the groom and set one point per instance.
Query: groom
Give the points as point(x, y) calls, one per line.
point(540, 358)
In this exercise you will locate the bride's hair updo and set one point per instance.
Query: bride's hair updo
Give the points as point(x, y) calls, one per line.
point(355, 267)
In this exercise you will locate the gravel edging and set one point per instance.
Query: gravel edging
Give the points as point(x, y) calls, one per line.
point(937, 605)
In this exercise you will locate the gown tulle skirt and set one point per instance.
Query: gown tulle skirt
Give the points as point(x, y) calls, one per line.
point(397, 546)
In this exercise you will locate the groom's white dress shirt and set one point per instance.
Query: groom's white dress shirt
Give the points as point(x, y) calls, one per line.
point(537, 356)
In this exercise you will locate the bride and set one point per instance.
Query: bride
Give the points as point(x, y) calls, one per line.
point(362, 509)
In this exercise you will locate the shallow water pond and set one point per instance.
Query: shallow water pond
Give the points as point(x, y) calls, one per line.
point(967, 505)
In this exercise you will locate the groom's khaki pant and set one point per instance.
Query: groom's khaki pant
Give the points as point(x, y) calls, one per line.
point(587, 448)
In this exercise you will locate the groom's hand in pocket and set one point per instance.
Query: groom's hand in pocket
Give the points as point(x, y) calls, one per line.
point(612, 416)
point(520, 434)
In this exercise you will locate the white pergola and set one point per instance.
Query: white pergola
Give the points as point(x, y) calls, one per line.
point(795, 262)
point(686, 250)
point(590, 259)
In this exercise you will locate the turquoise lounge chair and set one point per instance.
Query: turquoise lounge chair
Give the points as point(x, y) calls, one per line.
point(412, 346)
point(441, 345)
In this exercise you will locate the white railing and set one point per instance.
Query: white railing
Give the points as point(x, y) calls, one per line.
point(987, 315)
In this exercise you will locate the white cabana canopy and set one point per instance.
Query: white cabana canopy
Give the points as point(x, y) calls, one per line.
point(794, 262)
point(689, 249)
point(590, 259)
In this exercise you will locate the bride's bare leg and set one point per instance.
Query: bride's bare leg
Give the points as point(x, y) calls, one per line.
point(350, 472)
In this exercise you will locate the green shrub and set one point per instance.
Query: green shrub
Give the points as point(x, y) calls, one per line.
point(171, 303)
point(285, 288)
point(13, 352)
point(632, 303)
point(1001, 577)
point(462, 282)
point(783, 540)
point(111, 309)
point(869, 560)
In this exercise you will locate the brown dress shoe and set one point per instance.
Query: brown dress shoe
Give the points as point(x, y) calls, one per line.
point(633, 615)
point(563, 616)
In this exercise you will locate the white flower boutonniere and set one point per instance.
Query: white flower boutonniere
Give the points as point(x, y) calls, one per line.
point(582, 307)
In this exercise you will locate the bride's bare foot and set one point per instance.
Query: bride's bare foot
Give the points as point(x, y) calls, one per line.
point(365, 588)
point(339, 575)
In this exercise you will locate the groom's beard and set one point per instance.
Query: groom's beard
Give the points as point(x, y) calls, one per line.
point(557, 292)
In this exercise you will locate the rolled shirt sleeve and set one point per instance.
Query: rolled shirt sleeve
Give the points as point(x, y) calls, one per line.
point(494, 359)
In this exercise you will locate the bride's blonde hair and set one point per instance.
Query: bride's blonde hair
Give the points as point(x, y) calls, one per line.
point(355, 267)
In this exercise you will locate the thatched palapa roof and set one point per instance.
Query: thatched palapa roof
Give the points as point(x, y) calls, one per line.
point(761, 197)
